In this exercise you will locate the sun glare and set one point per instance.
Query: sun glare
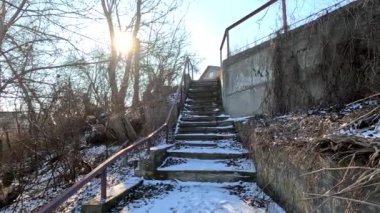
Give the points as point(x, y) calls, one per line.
point(123, 42)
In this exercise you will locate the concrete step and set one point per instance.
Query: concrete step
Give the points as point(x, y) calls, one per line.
point(205, 136)
point(211, 89)
point(204, 123)
point(202, 83)
point(200, 143)
point(206, 129)
point(207, 153)
point(203, 108)
point(201, 88)
point(204, 103)
point(205, 113)
point(206, 176)
point(214, 170)
point(204, 118)
point(202, 100)
point(197, 96)
point(215, 87)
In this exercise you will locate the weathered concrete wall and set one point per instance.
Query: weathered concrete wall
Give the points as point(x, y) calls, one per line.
point(301, 181)
point(333, 59)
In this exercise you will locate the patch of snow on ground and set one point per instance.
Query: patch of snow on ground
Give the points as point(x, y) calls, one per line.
point(372, 132)
point(186, 197)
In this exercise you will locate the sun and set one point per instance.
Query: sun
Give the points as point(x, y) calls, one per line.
point(123, 42)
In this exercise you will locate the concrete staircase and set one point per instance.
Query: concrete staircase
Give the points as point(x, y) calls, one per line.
point(207, 146)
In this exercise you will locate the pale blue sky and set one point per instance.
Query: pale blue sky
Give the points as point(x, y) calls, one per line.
point(206, 21)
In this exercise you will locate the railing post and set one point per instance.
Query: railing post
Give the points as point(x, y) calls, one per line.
point(167, 133)
point(284, 17)
point(221, 56)
point(103, 186)
point(228, 44)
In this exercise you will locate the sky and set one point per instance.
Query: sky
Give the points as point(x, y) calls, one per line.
point(206, 21)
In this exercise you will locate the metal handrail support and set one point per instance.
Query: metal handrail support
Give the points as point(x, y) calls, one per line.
point(102, 168)
point(226, 31)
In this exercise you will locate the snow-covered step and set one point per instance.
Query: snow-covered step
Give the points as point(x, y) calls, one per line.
point(204, 118)
point(193, 103)
point(205, 123)
point(197, 143)
point(210, 136)
point(206, 152)
point(201, 89)
point(202, 108)
point(230, 129)
point(183, 164)
point(203, 83)
point(203, 101)
point(205, 95)
point(202, 197)
point(208, 113)
point(221, 170)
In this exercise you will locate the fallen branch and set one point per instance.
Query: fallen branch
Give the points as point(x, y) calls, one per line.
point(339, 168)
point(363, 99)
point(342, 198)
point(360, 118)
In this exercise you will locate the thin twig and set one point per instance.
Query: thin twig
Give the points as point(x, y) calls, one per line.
point(359, 118)
point(339, 168)
point(343, 198)
point(366, 98)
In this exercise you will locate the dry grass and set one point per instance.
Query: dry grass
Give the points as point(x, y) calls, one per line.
point(355, 160)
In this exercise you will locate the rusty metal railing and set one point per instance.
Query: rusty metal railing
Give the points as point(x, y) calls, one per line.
point(145, 142)
point(226, 37)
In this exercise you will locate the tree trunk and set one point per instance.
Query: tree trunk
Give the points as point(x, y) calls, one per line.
point(136, 76)
point(121, 125)
point(136, 84)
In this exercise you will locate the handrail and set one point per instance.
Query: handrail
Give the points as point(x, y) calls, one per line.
point(101, 169)
point(253, 13)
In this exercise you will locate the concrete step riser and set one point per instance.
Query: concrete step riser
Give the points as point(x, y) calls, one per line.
point(205, 99)
point(207, 176)
point(205, 124)
point(201, 119)
point(204, 90)
point(202, 113)
point(197, 144)
point(203, 96)
point(205, 130)
point(206, 156)
point(195, 84)
point(203, 108)
point(212, 104)
point(203, 137)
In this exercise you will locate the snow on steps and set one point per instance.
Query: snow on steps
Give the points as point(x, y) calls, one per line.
point(206, 153)
point(195, 129)
point(205, 123)
point(204, 136)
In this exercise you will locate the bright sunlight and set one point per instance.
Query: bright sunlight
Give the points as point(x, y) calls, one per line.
point(123, 42)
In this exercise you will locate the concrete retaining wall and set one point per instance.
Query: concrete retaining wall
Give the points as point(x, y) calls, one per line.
point(333, 59)
point(298, 180)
